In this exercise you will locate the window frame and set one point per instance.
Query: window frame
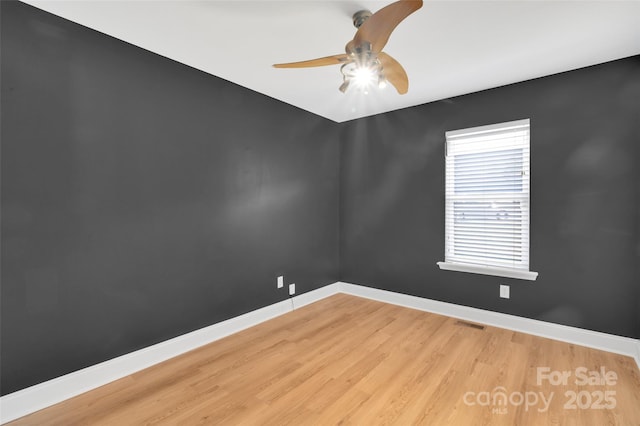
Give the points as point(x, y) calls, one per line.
point(453, 262)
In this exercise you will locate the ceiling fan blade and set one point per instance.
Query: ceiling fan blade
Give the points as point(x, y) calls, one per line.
point(377, 29)
point(394, 73)
point(319, 62)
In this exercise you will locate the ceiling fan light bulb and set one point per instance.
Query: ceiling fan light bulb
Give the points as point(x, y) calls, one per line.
point(344, 86)
point(363, 76)
point(382, 82)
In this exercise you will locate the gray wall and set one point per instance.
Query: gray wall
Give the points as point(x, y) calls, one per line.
point(585, 138)
point(142, 199)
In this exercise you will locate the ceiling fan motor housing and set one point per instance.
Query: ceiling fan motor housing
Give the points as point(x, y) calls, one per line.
point(360, 16)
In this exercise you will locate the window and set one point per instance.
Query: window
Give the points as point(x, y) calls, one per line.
point(487, 200)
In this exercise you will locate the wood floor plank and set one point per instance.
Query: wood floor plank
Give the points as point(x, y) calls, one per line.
point(348, 360)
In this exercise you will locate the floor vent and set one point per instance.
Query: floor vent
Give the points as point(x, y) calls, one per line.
point(470, 324)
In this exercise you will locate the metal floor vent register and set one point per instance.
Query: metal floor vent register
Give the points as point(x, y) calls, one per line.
point(470, 325)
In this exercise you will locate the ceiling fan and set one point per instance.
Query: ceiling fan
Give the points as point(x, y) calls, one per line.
point(364, 63)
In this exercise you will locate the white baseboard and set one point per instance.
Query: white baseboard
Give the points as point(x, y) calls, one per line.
point(37, 397)
point(579, 336)
point(42, 395)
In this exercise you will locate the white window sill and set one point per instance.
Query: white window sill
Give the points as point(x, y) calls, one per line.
point(489, 270)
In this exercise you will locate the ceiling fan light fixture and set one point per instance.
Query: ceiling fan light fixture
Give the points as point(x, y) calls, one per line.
point(344, 86)
point(364, 76)
point(382, 81)
point(364, 72)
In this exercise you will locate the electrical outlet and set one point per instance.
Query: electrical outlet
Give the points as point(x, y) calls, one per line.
point(292, 289)
point(280, 281)
point(504, 291)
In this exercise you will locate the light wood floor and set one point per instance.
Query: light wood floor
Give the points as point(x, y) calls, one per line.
point(347, 360)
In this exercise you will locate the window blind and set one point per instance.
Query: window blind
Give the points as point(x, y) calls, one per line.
point(487, 196)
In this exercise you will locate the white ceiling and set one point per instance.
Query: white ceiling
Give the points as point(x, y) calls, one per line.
point(448, 48)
